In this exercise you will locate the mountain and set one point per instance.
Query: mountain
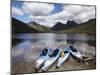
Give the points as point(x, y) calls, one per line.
point(39, 27)
point(60, 26)
point(21, 27)
point(70, 27)
point(88, 28)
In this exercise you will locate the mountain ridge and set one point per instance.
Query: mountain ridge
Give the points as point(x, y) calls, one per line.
point(60, 26)
point(21, 27)
point(39, 27)
point(88, 27)
point(70, 27)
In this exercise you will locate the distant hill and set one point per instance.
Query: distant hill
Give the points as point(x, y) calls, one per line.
point(21, 27)
point(88, 27)
point(70, 27)
point(60, 26)
point(39, 27)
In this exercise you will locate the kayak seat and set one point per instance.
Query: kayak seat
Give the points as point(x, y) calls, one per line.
point(44, 52)
point(65, 51)
point(73, 49)
point(55, 53)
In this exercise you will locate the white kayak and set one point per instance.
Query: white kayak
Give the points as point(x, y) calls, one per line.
point(61, 60)
point(44, 55)
point(75, 53)
point(53, 58)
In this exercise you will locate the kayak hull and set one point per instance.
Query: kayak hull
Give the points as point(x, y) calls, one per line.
point(61, 60)
point(40, 61)
point(77, 55)
point(49, 62)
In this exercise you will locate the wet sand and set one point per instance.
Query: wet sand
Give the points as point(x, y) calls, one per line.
point(70, 65)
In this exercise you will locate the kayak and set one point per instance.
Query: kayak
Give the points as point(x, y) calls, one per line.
point(61, 60)
point(44, 55)
point(75, 53)
point(52, 59)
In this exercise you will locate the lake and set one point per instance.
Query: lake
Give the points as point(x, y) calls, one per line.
point(27, 47)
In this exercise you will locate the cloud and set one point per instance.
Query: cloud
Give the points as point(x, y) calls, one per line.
point(17, 52)
point(42, 13)
point(17, 11)
point(77, 13)
point(85, 15)
point(37, 9)
point(44, 20)
point(81, 13)
point(21, 48)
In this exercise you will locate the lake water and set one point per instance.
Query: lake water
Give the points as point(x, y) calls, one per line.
point(30, 45)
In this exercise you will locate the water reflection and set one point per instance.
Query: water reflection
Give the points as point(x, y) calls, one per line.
point(31, 44)
point(49, 36)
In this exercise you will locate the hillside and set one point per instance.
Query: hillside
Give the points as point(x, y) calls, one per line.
point(39, 27)
point(60, 26)
point(21, 27)
point(88, 27)
point(70, 27)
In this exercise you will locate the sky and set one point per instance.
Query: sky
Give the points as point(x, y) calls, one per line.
point(48, 14)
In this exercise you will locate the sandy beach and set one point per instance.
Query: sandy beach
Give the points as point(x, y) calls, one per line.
point(70, 65)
